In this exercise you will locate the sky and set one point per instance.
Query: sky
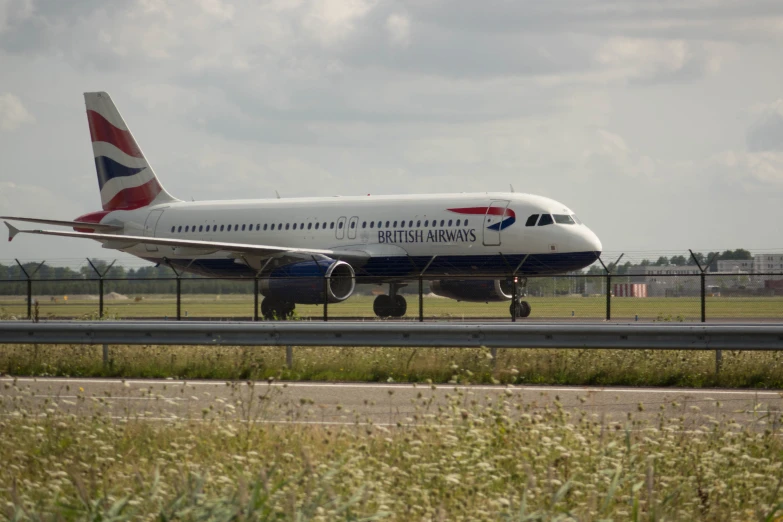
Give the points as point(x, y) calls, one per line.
point(659, 123)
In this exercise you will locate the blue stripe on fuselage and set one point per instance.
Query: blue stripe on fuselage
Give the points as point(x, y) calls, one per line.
point(398, 266)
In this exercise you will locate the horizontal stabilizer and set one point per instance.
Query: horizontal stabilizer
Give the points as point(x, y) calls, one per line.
point(212, 246)
point(12, 230)
point(77, 224)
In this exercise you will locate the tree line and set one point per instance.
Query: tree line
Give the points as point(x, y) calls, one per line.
point(739, 254)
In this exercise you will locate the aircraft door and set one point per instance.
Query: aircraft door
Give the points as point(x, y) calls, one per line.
point(149, 227)
point(339, 232)
point(353, 224)
point(493, 222)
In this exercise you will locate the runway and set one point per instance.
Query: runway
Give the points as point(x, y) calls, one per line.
point(377, 403)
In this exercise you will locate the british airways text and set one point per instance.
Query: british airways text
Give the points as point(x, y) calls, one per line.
point(465, 235)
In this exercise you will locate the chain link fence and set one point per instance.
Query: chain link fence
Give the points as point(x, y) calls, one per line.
point(35, 292)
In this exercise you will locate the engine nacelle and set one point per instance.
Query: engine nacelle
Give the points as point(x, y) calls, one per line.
point(303, 282)
point(473, 290)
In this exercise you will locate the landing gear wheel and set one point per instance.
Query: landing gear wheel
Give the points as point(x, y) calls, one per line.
point(400, 306)
point(521, 308)
point(272, 309)
point(383, 306)
point(526, 309)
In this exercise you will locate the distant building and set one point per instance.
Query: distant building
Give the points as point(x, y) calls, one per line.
point(667, 280)
point(732, 266)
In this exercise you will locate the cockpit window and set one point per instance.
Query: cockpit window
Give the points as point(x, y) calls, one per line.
point(546, 219)
point(531, 221)
point(563, 219)
point(578, 221)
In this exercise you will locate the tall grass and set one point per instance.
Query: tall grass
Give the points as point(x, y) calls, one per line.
point(516, 366)
point(473, 458)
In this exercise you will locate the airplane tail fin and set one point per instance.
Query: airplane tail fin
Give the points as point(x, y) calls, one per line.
point(125, 178)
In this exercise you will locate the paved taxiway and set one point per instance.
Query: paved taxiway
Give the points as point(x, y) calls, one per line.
point(382, 404)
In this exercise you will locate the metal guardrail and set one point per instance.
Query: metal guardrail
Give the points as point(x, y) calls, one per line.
point(503, 335)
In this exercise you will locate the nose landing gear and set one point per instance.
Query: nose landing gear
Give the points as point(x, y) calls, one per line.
point(520, 308)
point(391, 305)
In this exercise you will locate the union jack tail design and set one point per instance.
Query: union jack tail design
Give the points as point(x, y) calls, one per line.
point(125, 178)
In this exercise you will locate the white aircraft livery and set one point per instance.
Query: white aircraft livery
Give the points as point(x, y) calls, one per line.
point(308, 250)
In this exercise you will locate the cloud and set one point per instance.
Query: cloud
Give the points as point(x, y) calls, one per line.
point(399, 29)
point(13, 113)
point(653, 61)
point(766, 134)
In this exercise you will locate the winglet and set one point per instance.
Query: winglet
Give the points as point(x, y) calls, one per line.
point(12, 230)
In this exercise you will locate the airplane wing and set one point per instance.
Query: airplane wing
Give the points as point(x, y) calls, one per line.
point(98, 227)
point(213, 246)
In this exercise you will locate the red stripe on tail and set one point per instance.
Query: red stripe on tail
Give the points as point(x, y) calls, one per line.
point(102, 130)
point(136, 197)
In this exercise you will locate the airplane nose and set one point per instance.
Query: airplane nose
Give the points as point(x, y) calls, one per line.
point(585, 240)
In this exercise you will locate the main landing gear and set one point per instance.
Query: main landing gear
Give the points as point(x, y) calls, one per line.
point(520, 308)
point(392, 305)
point(273, 308)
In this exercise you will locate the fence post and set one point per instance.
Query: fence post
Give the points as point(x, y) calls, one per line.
point(100, 284)
point(703, 275)
point(255, 298)
point(29, 277)
point(179, 297)
point(326, 297)
point(608, 270)
point(421, 299)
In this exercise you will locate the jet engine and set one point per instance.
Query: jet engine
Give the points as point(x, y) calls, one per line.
point(304, 282)
point(473, 290)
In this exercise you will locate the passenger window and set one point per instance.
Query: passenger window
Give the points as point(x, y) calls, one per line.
point(207, 228)
point(387, 224)
point(279, 226)
point(265, 226)
point(458, 222)
point(309, 226)
point(301, 226)
point(187, 228)
point(172, 229)
point(372, 224)
point(418, 224)
point(364, 224)
point(563, 219)
point(287, 225)
point(179, 228)
point(449, 222)
point(380, 224)
point(331, 225)
point(353, 224)
point(531, 221)
point(243, 228)
point(258, 227)
point(340, 225)
point(402, 224)
point(441, 222)
point(410, 223)
point(316, 226)
point(294, 226)
point(546, 219)
point(426, 222)
point(466, 222)
point(394, 225)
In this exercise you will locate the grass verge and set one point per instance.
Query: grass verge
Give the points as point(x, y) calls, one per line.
point(467, 459)
point(440, 365)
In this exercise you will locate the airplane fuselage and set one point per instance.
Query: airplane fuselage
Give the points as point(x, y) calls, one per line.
point(476, 234)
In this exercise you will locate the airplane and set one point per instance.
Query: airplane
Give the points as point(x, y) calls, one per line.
point(307, 250)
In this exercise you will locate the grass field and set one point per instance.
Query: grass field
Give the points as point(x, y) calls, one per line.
point(472, 459)
point(440, 365)
point(666, 309)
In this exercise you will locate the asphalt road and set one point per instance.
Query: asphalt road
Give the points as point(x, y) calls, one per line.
point(381, 404)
